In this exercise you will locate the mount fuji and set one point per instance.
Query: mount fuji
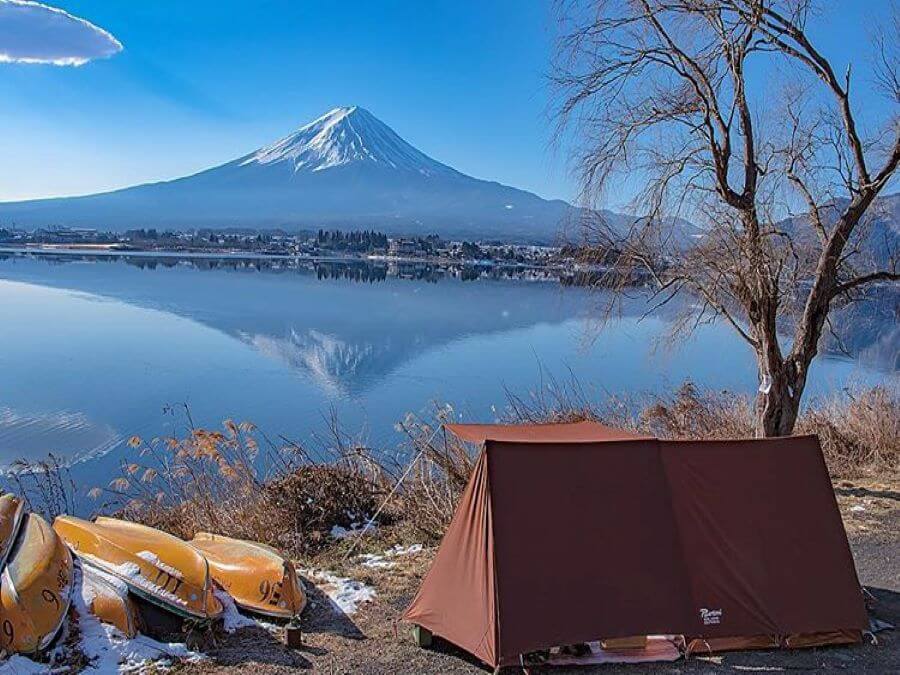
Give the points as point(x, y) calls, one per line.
point(346, 169)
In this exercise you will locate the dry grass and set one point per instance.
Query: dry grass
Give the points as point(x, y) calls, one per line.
point(223, 482)
point(46, 486)
point(692, 413)
point(859, 432)
point(439, 470)
point(211, 480)
point(237, 482)
point(860, 438)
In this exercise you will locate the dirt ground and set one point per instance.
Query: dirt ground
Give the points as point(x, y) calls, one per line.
point(371, 642)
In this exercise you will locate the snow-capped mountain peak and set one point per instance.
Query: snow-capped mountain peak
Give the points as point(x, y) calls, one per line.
point(346, 170)
point(345, 136)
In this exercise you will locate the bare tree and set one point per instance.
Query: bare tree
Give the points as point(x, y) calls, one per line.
point(726, 113)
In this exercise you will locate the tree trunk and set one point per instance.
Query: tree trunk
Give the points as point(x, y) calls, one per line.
point(777, 405)
point(780, 389)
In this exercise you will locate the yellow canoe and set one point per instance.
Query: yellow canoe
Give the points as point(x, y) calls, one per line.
point(107, 598)
point(258, 578)
point(12, 511)
point(35, 588)
point(156, 566)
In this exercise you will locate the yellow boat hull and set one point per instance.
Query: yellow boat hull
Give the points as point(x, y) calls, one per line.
point(35, 588)
point(156, 566)
point(258, 578)
point(107, 598)
point(12, 512)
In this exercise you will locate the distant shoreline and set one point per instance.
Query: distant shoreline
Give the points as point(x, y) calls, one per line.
point(116, 250)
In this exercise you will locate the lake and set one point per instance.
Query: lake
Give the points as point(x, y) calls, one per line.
point(94, 348)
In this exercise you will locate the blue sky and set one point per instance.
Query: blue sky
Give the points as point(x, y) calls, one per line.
point(202, 82)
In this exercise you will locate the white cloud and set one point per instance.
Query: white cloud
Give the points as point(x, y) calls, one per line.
point(31, 32)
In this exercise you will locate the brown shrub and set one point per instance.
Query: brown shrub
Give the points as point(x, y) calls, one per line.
point(308, 503)
point(221, 482)
point(430, 486)
point(692, 413)
point(859, 431)
point(860, 437)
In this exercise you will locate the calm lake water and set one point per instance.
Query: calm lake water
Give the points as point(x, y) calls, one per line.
point(92, 349)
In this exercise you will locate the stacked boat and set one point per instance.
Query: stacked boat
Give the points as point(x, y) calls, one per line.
point(153, 566)
point(129, 573)
point(259, 579)
point(36, 581)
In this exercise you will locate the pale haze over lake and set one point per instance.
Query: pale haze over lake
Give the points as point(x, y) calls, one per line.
point(94, 349)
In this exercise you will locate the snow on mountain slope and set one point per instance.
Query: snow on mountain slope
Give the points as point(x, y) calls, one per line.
point(346, 169)
point(343, 136)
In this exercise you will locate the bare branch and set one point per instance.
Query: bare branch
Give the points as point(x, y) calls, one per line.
point(873, 277)
point(661, 91)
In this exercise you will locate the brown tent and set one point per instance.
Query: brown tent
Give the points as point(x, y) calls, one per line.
point(575, 532)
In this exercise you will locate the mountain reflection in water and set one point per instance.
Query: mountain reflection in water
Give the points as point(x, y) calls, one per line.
point(95, 346)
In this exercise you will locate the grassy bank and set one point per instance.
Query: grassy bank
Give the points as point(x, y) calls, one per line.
point(241, 483)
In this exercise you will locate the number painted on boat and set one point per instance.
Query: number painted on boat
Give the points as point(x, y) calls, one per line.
point(49, 596)
point(270, 593)
point(8, 631)
point(167, 579)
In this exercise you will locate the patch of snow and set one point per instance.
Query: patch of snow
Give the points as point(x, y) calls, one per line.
point(338, 532)
point(412, 549)
point(347, 594)
point(375, 561)
point(132, 572)
point(232, 619)
point(858, 508)
point(152, 558)
point(93, 577)
point(109, 651)
point(22, 665)
point(381, 561)
point(125, 569)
